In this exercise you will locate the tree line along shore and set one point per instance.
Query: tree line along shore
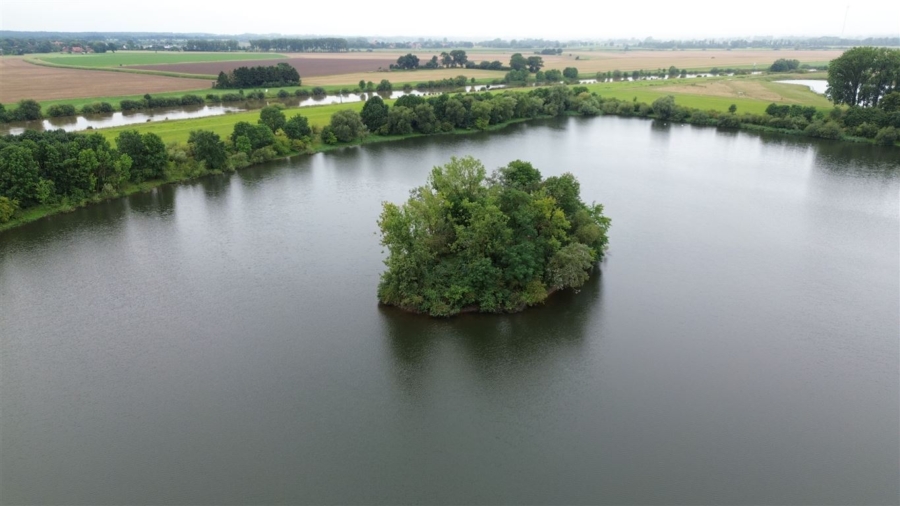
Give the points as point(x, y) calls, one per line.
point(49, 172)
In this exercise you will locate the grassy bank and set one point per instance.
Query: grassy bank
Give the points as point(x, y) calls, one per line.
point(749, 94)
point(37, 212)
point(643, 91)
point(177, 132)
point(78, 103)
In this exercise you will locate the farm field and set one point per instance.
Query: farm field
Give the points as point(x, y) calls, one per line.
point(701, 93)
point(133, 58)
point(307, 67)
point(402, 76)
point(20, 80)
point(589, 62)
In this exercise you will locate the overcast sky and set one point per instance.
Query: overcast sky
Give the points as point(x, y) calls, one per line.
point(463, 19)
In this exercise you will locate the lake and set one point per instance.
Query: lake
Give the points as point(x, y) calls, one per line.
point(220, 342)
point(816, 85)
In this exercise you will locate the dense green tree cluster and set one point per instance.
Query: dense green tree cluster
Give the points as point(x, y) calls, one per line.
point(281, 74)
point(862, 76)
point(25, 110)
point(408, 61)
point(466, 241)
point(64, 169)
point(784, 65)
point(58, 167)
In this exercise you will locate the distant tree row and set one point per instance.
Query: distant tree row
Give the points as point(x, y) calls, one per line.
point(18, 46)
point(326, 44)
point(211, 45)
point(784, 43)
point(251, 77)
point(520, 43)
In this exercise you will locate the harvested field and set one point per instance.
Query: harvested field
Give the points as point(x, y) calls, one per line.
point(20, 79)
point(307, 66)
point(748, 89)
point(595, 61)
point(417, 76)
point(129, 58)
point(589, 62)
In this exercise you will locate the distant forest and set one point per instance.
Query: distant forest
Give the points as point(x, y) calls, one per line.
point(15, 42)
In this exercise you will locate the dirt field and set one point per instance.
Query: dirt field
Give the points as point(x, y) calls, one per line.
point(307, 66)
point(20, 79)
point(595, 61)
point(401, 77)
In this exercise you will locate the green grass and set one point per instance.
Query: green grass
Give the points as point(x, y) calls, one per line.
point(179, 130)
point(644, 91)
point(78, 103)
point(127, 58)
point(648, 91)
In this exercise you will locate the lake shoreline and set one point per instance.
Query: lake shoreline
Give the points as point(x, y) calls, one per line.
point(39, 212)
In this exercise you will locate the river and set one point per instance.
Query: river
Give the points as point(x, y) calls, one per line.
point(94, 121)
point(219, 341)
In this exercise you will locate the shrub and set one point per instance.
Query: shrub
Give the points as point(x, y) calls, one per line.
point(7, 209)
point(829, 130)
point(26, 110)
point(192, 100)
point(61, 110)
point(729, 122)
point(131, 105)
point(297, 127)
point(887, 136)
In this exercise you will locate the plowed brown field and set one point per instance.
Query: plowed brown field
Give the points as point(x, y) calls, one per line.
point(20, 79)
point(307, 66)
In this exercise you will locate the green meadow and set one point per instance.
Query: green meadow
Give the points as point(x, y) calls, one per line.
point(642, 91)
point(179, 131)
point(760, 93)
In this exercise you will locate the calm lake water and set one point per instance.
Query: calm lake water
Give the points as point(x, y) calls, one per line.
point(817, 85)
point(219, 342)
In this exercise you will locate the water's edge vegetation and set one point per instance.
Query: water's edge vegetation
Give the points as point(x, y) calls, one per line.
point(469, 242)
point(46, 173)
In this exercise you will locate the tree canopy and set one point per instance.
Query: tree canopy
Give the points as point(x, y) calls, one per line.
point(784, 65)
point(466, 241)
point(862, 75)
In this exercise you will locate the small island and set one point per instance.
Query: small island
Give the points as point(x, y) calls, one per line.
point(468, 242)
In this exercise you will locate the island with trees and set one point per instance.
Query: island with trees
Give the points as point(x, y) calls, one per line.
point(468, 242)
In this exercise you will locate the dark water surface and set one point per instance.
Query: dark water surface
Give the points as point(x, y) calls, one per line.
point(220, 341)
